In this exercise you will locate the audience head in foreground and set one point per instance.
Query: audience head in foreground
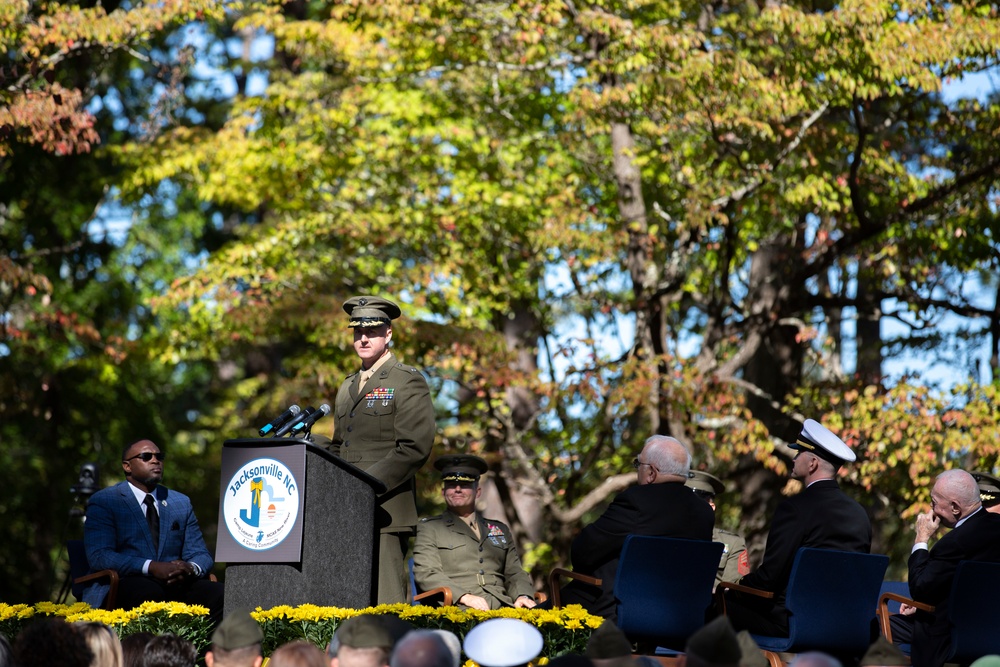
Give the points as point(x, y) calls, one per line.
point(133, 646)
point(236, 642)
point(169, 650)
point(814, 659)
point(422, 648)
point(608, 647)
point(298, 653)
point(714, 645)
point(103, 643)
point(51, 641)
point(366, 640)
point(453, 643)
point(883, 653)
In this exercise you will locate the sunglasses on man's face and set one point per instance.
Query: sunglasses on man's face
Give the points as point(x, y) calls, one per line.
point(146, 457)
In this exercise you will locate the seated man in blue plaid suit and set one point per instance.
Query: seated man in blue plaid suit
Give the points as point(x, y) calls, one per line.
point(150, 536)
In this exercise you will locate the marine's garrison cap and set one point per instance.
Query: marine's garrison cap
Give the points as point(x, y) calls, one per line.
point(237, 630)
point(750, 653)
point(608, 641)
point(371, 631)
point(704, 481)
point(822, 442)
point(716, 643)
point(461, 467)
point(883, 653)
point(370, 311)
point(989, 488)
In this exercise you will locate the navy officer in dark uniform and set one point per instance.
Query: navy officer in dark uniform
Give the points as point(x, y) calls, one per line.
point(461, 550)
point(821, 516)
point(383, 422)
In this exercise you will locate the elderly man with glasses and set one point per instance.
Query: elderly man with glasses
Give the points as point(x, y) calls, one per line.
point(150, 536)
point(659, 505)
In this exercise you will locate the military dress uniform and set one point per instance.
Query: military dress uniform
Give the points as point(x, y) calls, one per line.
point(734, 562)
point(989, 490)
point(386, 429)
point(821, 516)
point(447, 553)
point(468, 554)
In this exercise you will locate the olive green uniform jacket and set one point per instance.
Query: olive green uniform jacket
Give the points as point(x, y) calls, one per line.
point(447, 554)
point(735, 561)
point(387, 431)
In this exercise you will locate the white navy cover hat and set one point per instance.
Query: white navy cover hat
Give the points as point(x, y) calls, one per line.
point(503, 642)
point(822, 442)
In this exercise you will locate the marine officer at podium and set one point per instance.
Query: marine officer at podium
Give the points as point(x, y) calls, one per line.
point(383, 422)
point(461, 550)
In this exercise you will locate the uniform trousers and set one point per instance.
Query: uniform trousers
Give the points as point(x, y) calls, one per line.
point(393, 574)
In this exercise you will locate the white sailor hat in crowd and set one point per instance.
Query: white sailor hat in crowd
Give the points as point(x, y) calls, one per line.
point(822, 442)
point(503, 642)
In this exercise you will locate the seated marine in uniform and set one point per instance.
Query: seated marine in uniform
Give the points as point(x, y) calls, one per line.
point(735, 562)
point(461, 550)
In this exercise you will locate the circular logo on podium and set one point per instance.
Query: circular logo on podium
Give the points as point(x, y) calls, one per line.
point(263, 505)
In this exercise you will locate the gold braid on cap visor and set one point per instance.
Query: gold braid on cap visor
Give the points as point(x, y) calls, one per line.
point(808, 445)
point(459, 477)
point(367, 322)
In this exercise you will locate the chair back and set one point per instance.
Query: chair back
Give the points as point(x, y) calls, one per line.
point(664, 587)
point(898, 587)
point(976, 589)
point(78, 565)
point(831, 600)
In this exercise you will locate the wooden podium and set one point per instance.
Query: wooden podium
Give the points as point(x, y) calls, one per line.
point(296, 526)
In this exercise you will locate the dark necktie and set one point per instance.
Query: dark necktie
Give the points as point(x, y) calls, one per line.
point(153, 519)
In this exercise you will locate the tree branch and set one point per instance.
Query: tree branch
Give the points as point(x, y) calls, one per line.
point(740, 193)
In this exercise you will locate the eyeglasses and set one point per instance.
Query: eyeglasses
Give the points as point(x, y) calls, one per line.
point(636, 463)
point(148, 456)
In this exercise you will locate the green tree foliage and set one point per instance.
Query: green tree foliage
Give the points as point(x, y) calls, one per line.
point(77, 377)
point(528, 175)
point(605, 219)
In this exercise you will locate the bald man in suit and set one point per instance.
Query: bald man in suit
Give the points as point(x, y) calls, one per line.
point(974, 535)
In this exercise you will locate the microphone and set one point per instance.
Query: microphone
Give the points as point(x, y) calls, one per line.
point(292, 422)
point(312, 418)
point(292, 411)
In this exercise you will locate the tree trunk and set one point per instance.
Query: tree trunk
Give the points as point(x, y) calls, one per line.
point(869, 335)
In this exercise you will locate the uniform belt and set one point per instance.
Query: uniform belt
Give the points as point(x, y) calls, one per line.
point(489, 579)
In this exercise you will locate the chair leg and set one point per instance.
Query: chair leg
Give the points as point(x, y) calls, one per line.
point(773, 659)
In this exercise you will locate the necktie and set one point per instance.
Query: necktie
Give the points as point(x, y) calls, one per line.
point(474, 525)
point(152, 518)
point(365, 377)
